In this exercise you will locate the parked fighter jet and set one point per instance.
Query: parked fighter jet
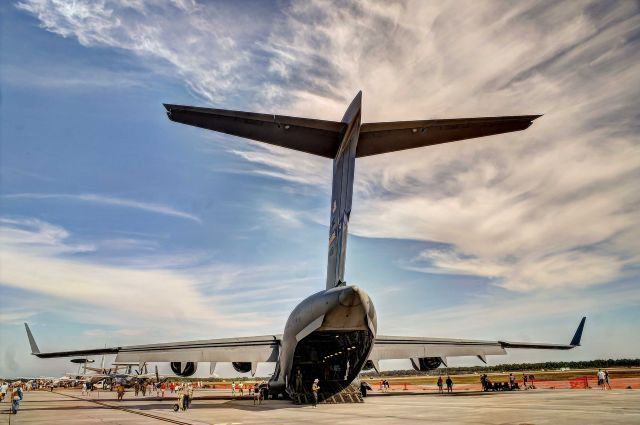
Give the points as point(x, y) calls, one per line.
point(331, 335)
point(125, 373)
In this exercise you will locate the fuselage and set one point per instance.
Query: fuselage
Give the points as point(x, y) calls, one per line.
point(329, 337)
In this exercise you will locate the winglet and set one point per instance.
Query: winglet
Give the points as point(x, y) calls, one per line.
point(575, 341)
point(32, 341)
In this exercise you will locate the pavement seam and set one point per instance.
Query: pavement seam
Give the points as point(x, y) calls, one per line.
point(124, 409)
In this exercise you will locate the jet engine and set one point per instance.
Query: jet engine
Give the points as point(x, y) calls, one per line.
point(425, 364)
point(184, 369)
point(368, 365)
point(242, 367)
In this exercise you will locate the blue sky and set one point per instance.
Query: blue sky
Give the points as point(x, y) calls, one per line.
point(118, 226)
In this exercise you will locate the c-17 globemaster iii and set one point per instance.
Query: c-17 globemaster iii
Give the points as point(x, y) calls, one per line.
point(332, 334)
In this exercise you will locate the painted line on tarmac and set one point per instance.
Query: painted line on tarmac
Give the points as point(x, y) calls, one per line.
point(124, 409)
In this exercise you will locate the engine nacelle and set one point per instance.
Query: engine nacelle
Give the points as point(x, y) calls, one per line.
point(425, 364)
point(368, 365)
point(242, 367)
point(184, 369)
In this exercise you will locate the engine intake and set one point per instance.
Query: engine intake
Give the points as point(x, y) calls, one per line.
point(425, 364)
point(242, 367)
point(184, 369)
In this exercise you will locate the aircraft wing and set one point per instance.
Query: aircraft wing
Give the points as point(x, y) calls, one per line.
point(246, 349)
point(396, 347)
point(383, 137)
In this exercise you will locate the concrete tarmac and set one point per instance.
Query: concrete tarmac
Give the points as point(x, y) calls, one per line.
point(522, 407)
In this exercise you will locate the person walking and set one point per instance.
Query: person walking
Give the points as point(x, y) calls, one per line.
point(233, 389)
point(241, 389)
point(16, 398)
point(314, 389)
point(449, 384)
point(120, 391)
point(440, 384)
point(256, 393)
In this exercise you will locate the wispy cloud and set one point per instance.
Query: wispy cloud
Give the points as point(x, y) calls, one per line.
point(37, 258)
point(109, 201)
point(197, 43)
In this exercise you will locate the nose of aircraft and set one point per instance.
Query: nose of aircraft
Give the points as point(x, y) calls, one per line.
point(350, 296)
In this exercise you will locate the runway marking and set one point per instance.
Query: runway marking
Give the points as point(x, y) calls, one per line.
point(124, 409)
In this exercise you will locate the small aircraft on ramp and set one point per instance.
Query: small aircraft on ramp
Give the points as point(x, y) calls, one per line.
point(332, 334)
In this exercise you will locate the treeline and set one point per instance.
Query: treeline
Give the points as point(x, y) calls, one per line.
point(509, 367)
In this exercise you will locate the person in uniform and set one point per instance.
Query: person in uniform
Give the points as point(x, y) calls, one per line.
point(314, 389)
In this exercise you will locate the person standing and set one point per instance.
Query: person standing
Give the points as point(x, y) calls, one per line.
point(3, 390)
point(186, 396)
point(136, 388)
point(241, 388)
point(298, 381)
point(532, 380)
point(449, 384)
point(363, 388)
point(606, 379)
point(440, 384)
point(84, 388)
point(314, 389)
point(601, 379)
point(233, 389)
point(512, 382)
point(524, 381)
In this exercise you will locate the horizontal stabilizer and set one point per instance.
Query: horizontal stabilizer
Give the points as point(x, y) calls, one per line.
point(312, 136)
point(383, 137)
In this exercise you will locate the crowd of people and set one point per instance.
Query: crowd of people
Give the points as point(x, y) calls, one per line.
point(14, 392)
point(528, 383)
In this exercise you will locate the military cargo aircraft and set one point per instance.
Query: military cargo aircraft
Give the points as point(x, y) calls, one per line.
point(332, 334)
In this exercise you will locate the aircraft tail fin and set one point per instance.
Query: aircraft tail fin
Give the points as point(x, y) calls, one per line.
point(32, 341)
point(575, 341)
